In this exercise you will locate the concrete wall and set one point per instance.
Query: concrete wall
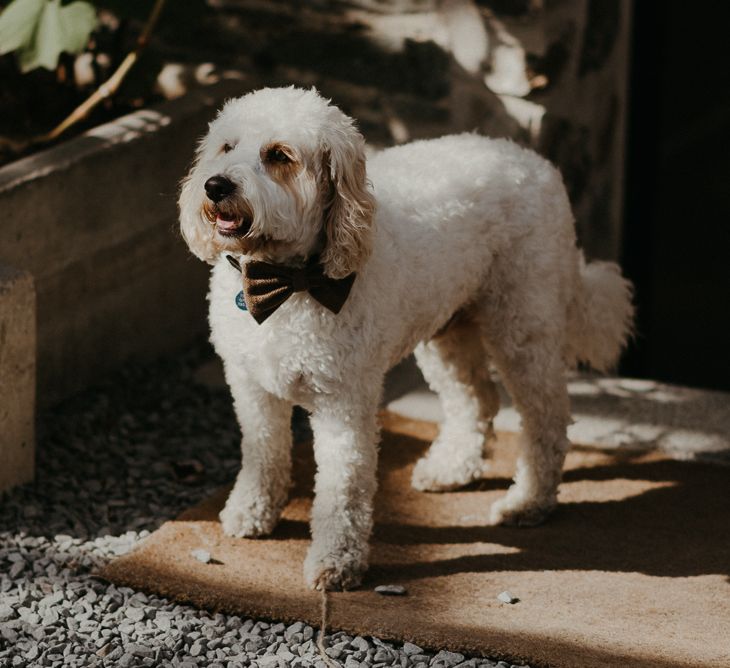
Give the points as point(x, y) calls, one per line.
point(550, 74)
point(17, 377)
point(94, 222)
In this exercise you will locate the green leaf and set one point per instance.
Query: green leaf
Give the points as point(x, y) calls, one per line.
point(18, 23)
point(44, 29)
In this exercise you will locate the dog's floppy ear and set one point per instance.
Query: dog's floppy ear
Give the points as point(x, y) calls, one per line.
point(349, 210)
point(197, 233)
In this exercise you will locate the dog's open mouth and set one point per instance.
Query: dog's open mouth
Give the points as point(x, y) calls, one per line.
point(232, 226)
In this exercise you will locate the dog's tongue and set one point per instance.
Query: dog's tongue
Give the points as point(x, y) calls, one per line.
point(226, 224)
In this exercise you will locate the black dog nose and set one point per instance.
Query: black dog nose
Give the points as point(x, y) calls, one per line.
point(217, 187)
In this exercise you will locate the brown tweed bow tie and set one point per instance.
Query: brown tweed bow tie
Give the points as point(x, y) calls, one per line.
point(267, 286)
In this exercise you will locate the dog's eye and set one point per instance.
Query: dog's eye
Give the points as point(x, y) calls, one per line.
point(227, 148)
point(277, 155)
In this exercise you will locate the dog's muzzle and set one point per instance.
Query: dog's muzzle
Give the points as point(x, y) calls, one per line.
point(222, 212)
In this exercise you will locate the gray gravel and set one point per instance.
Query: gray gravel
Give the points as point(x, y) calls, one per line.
point(112, 465)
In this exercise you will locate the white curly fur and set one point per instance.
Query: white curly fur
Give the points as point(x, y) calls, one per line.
point(463, 223)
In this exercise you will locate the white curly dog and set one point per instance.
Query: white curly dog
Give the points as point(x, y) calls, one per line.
point(462, 249)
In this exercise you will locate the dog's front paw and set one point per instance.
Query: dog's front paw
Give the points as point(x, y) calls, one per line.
point(443, 471)
point(248, 518)
point(512, 510)
point(335, 570)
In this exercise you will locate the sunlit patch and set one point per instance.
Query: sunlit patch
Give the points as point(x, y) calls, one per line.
point(629, 388)
point(438, 551)
point(583, 388)
point(615, 489)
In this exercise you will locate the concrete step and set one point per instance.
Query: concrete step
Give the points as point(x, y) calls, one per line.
point(17, 377)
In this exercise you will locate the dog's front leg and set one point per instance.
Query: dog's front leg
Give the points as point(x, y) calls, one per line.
point(262, 486)
point(345, 449)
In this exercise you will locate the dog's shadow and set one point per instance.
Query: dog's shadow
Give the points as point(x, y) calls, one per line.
point(674, 521)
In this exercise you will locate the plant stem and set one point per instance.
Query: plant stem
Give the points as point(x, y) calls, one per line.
point(111, 85)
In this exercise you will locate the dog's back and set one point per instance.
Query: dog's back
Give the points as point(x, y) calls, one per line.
point(464, 206)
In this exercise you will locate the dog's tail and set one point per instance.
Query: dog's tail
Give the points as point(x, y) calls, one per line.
point(600, 318)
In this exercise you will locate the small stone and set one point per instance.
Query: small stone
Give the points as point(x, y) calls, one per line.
point(201, 555)
point(382, 654)
point(6, 612)
point(32, 618)
point(285, 654)
point(333, 652)
point(307, 647)
point(104, 650)
point(445, 658)
point(114, 655)
point(359, 643)
point(135, 614)
point(391, 590)
point(420, 658)
point(410, 648)
point(15, 569)
point(126, 661)
point(254, 644)
point(140, 650)
point(121, 549)
point(50, 617)
point(296, 627)
point(163, 623)
point(507, 597)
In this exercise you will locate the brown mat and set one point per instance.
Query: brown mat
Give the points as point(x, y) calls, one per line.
point(632, 570)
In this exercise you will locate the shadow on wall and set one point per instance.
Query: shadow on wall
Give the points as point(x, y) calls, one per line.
point(549, 75)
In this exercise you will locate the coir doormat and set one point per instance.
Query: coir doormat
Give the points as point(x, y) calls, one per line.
point(633, 569)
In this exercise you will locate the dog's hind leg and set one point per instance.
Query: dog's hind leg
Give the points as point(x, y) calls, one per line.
point(533, 371)
point(262, 486)
point(455, 364)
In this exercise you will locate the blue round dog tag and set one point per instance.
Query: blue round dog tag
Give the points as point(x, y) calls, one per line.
point(241, 302)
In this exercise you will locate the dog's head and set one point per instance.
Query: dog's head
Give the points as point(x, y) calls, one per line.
point(280, 176)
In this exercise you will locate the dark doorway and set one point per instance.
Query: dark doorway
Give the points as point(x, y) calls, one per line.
point(677, 225)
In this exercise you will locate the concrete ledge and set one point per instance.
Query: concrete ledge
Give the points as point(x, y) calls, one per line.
point(17, 377)
point(94, 220)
